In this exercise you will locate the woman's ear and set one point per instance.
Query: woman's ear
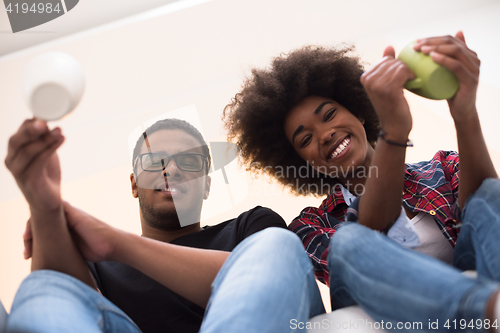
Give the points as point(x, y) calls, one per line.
point(362, 120)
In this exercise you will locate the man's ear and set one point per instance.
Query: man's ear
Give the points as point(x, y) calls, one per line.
point(362, 120)
point(208, 183)
point(133, 184)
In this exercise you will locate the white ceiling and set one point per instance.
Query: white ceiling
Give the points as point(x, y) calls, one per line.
point(87, 14)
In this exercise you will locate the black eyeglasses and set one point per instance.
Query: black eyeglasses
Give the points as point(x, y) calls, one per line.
point(191, 162)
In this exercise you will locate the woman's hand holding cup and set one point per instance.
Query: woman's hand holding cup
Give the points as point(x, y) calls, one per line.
point(384, 85)
point(453, 54)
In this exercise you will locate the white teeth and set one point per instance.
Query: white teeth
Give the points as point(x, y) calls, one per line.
point(341, 147)
point(170, 189)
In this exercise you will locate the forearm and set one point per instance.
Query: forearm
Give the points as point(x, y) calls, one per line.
point(187, 271)
point(380, 205)
point(53, 247)
point(475, 161)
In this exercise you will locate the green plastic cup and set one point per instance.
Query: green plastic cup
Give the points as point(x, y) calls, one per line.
point(432, 81)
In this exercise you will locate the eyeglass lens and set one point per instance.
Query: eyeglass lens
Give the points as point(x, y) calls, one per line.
point(185, 162)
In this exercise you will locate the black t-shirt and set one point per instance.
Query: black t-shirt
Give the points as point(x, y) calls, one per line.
point(155, 308)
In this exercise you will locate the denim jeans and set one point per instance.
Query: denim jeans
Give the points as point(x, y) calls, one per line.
point(267, 284)
point(478, 245)
point(3, 318)
point(49, 301)
point(400, 286)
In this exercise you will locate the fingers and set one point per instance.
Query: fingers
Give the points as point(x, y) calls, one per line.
point(389, 74)
point(464, 73)
point(67, 206)
point(34, 152)
point(436, 41)
point(399, 73)
point(389, 52)
point(69, 211)
point(460, 35)
point(388, 66)
point(382, 61)
point(28, 241)
point(453, 53)
point(30, 130)
point(28, 248)
point(31, 147)
point(453, 47)
point(27, 232)
point(73, 215)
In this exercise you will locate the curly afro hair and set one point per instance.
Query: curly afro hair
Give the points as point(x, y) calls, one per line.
point(255, 117)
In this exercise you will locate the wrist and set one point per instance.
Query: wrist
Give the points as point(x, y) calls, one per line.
point(41, 213)
point(465, 119)
point(399, 130)
point(394, 140)
point(42, 202)
point(119, 242)
point(47, 223)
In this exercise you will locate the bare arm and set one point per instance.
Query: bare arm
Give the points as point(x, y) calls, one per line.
point(187, 271)
point(381, 203)
point(475, 161)
point(53, 247)
point(33, 162)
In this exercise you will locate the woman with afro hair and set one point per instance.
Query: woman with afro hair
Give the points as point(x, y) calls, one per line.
point(315, 110)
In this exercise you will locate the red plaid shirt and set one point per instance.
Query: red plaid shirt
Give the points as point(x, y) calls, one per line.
point(430, 186)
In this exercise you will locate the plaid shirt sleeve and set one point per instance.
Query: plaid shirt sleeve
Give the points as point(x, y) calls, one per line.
point(315, 227)
point(450, 162)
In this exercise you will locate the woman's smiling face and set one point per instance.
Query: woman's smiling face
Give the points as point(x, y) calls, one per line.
point(327, 135)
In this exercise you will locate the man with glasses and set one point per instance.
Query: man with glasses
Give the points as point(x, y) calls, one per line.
point(161, 280)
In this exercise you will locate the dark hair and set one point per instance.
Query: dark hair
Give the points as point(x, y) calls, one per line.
point(255, 117)
point(171, 124)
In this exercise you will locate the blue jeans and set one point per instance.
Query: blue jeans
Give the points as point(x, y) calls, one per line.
point(397, 285)
point(49, 301)
point(3, 318)
point(267, 284)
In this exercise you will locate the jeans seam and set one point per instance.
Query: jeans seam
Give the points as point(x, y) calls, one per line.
point(471, 232)
point(305, 292)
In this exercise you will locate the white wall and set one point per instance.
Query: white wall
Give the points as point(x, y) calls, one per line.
point(199, 55)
